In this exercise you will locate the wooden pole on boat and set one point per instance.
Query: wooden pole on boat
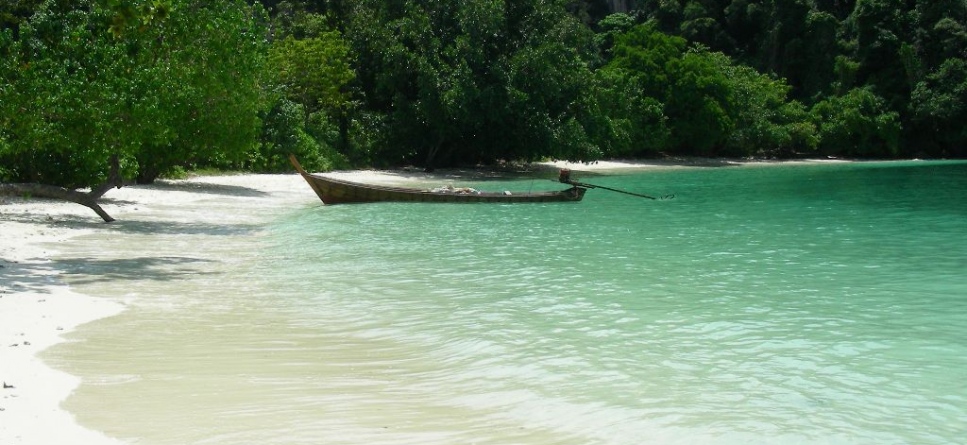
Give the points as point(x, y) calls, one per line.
point(592, 186)
point(566, 178)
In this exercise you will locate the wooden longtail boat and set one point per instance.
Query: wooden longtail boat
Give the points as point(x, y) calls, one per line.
point(337, 191)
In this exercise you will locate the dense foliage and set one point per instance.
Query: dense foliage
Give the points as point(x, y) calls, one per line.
point(884, 78)
point(169, 84)
point(156, 84)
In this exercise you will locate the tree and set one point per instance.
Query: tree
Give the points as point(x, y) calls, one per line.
point(608, 29)
point(43, 113)
point(816, 72)
point(939, 105)
point(633, 124)
point(692, 89)
point(701, 22)
point(880, 30)
point(314, 71)
point(766, 122)
point(712, 105)
point(15, 12)
point(90, 88)
point(940, 30)
point(311, 65)
point(286, 130)
point(857, 124)
point(66, 110)
point(204, 64)
point(474, 81)
point(666, 15)
point(840, 9)
point(699, 103)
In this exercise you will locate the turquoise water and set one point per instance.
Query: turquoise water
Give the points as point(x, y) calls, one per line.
point(813, 304)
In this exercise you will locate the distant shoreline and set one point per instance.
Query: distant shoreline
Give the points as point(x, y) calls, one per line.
point(402, 176)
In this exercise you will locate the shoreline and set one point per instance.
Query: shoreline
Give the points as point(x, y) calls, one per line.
point(37, 308)
point(36, 311)
point(411, 175)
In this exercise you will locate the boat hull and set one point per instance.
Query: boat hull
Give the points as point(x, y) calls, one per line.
point(336, 191)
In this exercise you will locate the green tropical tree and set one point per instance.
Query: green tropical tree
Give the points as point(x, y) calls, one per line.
point(633, 124)
point(767, 122)
point(655, 65)
point(204, 65)
point(66, 110)
point(312, 74)
point(939, 106)
point(474, 81)
point(710, 105)
point(313, 71)
point(857, 124)
point(92, 90)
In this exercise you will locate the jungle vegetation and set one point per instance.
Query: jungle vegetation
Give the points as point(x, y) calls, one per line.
point(148, 87)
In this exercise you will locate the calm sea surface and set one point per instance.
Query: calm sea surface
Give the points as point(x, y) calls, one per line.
point(816, 304)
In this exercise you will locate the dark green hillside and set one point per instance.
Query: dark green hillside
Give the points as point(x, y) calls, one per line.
point(167, 85)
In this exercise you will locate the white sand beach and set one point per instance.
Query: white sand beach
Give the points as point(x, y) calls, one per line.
point(37, 308)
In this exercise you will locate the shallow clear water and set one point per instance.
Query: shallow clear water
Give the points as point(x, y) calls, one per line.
point(801, 304)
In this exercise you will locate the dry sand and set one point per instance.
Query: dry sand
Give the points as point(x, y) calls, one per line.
point(37, 308)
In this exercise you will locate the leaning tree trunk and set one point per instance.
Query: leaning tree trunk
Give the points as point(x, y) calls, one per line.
point(88, 199)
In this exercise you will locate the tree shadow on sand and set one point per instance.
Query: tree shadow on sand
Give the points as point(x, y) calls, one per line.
point(205, 188)
point(38, 276)
point(134, 227)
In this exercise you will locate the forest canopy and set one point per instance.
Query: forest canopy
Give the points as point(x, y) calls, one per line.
point(166, 85)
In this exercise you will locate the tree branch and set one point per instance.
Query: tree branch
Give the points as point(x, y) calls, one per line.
point(88, 199)
point(54, 192)
point(113, 180)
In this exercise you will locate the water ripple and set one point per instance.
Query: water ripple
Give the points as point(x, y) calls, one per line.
point(761, 306)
